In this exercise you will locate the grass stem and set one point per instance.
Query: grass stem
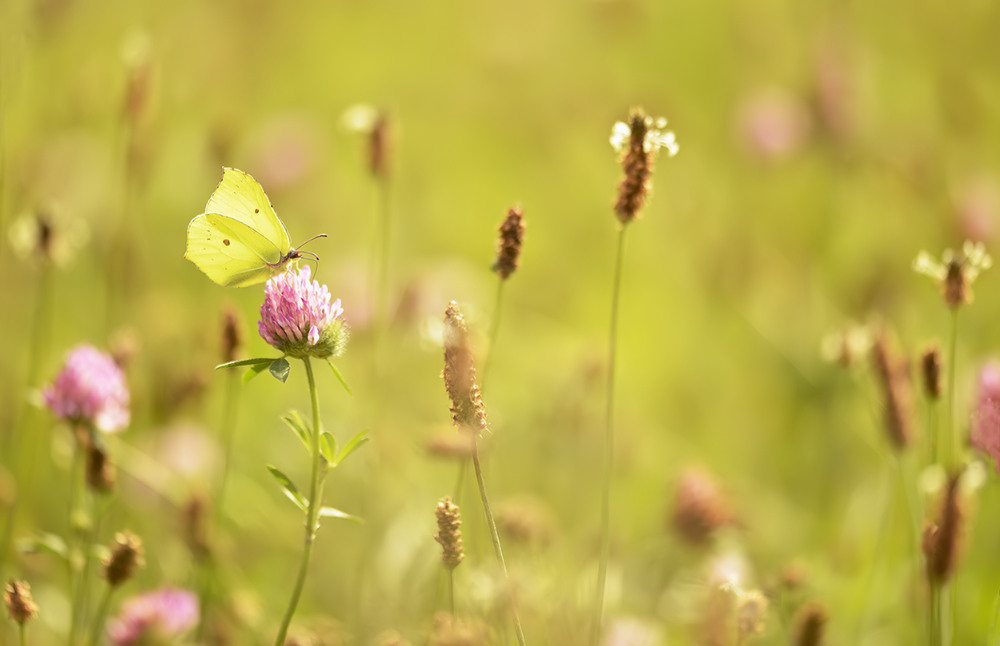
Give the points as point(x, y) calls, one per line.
point(609, 446)
point(495, 536)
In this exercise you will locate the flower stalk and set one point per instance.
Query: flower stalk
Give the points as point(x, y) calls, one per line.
point(312, 510)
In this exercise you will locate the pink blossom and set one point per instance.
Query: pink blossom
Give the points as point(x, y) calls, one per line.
point(154, 617)
point(986, 419)
point(90, 389)
point(299, 318)
point(773, 123)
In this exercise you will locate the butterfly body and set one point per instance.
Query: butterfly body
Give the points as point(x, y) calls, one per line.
point(239, 240)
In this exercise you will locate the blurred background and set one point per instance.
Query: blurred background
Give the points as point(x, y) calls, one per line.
point(822, 146)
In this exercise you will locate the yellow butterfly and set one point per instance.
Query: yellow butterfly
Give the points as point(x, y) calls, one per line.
point(239, 240)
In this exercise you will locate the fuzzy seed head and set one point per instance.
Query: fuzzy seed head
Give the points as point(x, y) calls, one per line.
point(378, 146)
point(100, 471)
point(17, 598)
point(509, 247)
point(751, 609)
point(941, 540)
point(699, 508)
point(194, 525)
point(125, 558)
point(638, 142)
point(810, 626)
point(449, 521)
point(894, 378)
point(467, 409)
point(955, 272)
point(232, 335)
point(930, 367)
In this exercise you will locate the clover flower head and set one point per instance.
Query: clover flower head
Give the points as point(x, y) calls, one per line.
point(299, 318)
point(90, 389)
point(154, 618)
point(956, 271)
point(985, 432)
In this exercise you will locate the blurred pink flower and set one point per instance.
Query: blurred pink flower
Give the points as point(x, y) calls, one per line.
point(976, 203)
point(155, 617)
point(985, 433)
point(773, 123)
point(90, 388)
point(298, 317)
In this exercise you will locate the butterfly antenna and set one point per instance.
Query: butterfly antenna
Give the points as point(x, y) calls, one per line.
point(319, 235)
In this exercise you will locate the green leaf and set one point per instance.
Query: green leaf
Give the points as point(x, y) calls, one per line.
point(352, 445)
point(340, 377)
point(245, 362)
point(44, 542)
point(288, 487)
point(300, 427)
point(280, 369)
point(330, 512)
point(254, 371)
point(328, 446)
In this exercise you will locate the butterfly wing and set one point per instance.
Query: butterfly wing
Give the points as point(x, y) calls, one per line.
point(241, 198)
point(232, 253)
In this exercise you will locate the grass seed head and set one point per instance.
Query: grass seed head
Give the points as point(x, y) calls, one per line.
point(449, 521)
point(17, 597)
point(126, 557)
point(467, 408)
point(509, 247)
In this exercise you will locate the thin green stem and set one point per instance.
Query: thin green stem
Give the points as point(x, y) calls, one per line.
point(23, 633)
point(102, 612)
point(312, 511)
point(609, 445)
point(952, 441)
point(78, 548)
point(495, 536)
point(955, 448)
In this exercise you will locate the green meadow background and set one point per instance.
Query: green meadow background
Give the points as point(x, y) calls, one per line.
point(743, 260)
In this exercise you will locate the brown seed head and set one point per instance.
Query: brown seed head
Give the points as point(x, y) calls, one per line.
point(930, 365)
point(378, 146)
point(467, 407)
point(955, 285)
point(894, 378)
point(194, 523)
point(17, 597)
point(125, 558)
point(941, 541)
point(637, 162)
point(810, 626)
point(139, 69)
point(100, 470)
point(449, 521)
point(232, 335)
point(699, 508)
point(509, 247)
point(750, 612)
